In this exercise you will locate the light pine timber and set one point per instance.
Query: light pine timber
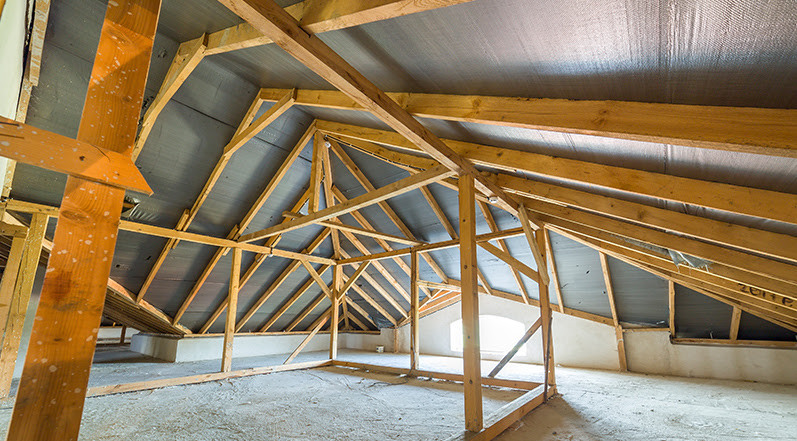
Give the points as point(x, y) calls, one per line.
point(735, 320)
point(307, 339)
point(671, 306)
point(9, 280)
point(78, 271)
point(471, 353)
point(547, 320)
point(415, 339)
point(511, 261)
point(554, 272)
point(618, 329)
point(523, 339)
point(732, 198)
point(742, 129)
point(317, 16)
point(41, 148)
point(396, 188)
point(335, 296)
point(269, 18)
point(20, 298)
point(232, 309)
point(488, 217)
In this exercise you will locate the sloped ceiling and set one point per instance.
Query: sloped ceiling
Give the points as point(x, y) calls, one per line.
point(741, 53)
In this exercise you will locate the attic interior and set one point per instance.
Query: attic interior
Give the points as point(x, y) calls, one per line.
point(383, 219)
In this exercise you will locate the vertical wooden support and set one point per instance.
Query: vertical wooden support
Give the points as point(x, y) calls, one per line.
point(735, 320)
point(546, 315)
point(10, 278)
point(52, 389)
point(316, 172)
point(122, 335)
point(415, 340)
point(554, 274)
point(618, 329)
point(334, 317)
point(20, 299)
point(232, 310)
point(471, 352)
point(671, 302)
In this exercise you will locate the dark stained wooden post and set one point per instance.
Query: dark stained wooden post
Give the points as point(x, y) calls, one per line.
point(52, 389)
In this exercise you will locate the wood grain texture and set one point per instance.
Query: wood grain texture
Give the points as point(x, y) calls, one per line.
point(53, 385)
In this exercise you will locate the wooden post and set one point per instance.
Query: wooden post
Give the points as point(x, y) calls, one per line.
point(546, 314)
point(471, 352)
point(735, 320)
point(232, 310)
point(333, 324)
point(52, 389)
point(10, 279)
point(20, 299)
point(671, 301)
point(618, 329)
point(415, 340)
point(122, 336)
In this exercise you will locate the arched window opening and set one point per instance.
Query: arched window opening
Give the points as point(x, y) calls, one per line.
point(496, 334)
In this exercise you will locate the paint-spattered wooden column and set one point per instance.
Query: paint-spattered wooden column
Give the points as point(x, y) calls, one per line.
point(52, 389)
point(471, 352)
point(232, 310)
point(415, 341)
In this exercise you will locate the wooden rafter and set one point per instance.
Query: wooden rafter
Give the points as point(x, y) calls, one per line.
point(732, 198)
point(745, 129)
point(360, 231)
point(618, 329)
point(488, 217)
point(269, 18)
point(399, 187)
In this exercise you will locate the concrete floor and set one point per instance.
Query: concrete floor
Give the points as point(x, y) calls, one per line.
point(341, 404)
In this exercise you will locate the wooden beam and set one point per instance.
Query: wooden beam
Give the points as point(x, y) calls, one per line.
point(371, 301)
point(201, 378)
point(269, 18)
point(732, 198)
point(671, 306)
point(354, 277)
point(547, 323)
point(18, 307)
point(415, 339)
point(361, 231)
point(525, 223)
point(488, 217)
point(41, 148)
point(735, 320)
point(308, 309)
point(503, 234)
point(317, 277)
point(284, 308)
point(523, 339)
point(362, 312)
point(306, 339)
point(232, 309)
point(316, 16)
point(9, 280)
point(744, 129)
point(88, 221)
point(316, 172)
point(188, 56)
point(399, 187)
point(335, 296)
point(170, 244)
point(618, 329)
point(511, 261)
point(554, 273)
point(471, 353)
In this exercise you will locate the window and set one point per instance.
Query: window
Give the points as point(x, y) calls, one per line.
point(497, 334)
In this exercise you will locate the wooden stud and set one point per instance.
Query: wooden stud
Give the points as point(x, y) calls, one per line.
point(618, 329)
point(122, 335)
point(415, 342)
point(9, 281)
point(18, 307)
point(316, 172)
point(72, 297)
point(471, 353)
point(232, 309)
